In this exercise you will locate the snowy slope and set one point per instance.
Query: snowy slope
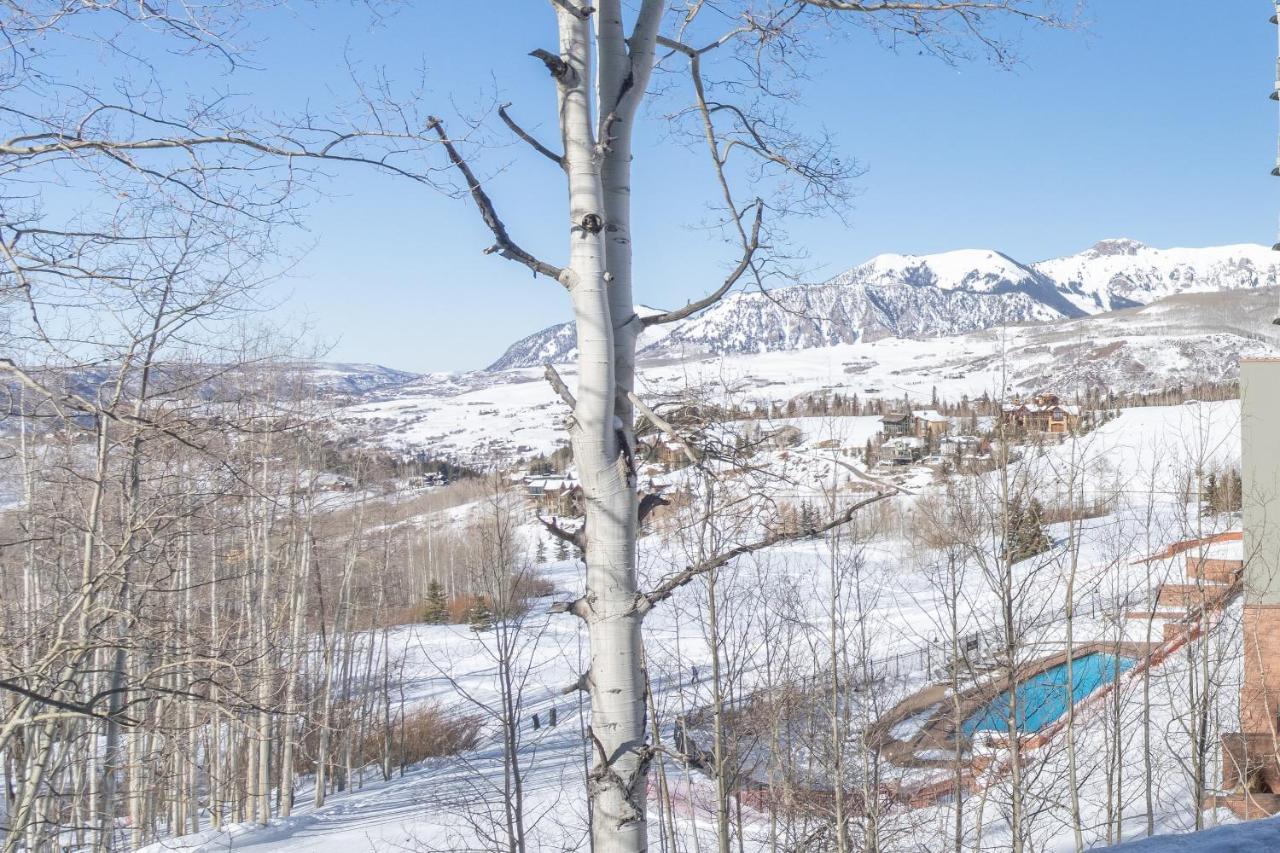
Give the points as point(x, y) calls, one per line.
point(1256, 836)
point(440, 805)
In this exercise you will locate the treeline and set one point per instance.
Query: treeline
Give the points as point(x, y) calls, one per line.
point(190, 620)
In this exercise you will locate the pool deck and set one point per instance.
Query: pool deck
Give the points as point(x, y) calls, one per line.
point(939, 734)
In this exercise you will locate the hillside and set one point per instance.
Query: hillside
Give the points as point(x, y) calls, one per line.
point(1180, 340)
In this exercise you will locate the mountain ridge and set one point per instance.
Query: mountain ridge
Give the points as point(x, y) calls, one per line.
point(923, 296)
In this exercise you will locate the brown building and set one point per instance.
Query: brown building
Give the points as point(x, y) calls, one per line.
point(929, 424)
point(1044, 413)
point(1250, 771)
point(897, 424)
point(556, 494)
point(922, 423)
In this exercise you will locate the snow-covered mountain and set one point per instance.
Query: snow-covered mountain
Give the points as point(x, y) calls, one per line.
point(1124, 273)
point(924, 296)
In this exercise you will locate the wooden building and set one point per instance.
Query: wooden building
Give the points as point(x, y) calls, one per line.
point(1044, 413)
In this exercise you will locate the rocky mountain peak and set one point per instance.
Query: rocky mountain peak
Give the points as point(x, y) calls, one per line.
point(1116, 246)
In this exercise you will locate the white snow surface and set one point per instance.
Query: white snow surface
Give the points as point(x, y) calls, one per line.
point(1256, 836)
point(1140, 458)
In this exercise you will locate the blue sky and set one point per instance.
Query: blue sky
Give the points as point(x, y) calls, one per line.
point(1151, 123)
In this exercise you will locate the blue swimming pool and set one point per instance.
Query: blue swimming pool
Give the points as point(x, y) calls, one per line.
point(1042, 698)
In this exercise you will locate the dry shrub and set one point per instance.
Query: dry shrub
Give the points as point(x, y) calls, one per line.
point(432, 733)
point(427, 732)
point(1057, 513)
point(530, 585)
point(461, 607)
point(524, 588)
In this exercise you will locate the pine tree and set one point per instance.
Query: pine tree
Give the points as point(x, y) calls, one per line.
point(540, 552)
point(808, 518)
point(1211, 498)
point(1036, 537)
point(436, 610)
point(1026, 530)
point(481, 616)
point(562, 549)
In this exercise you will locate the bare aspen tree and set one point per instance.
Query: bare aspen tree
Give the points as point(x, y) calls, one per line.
point(601, 68)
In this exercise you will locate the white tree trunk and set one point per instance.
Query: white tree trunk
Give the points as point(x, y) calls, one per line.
point(598, 277)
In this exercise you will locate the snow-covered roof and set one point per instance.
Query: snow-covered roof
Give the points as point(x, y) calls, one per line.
point(930, 416)
point(552, 482)
point(905, 441)
point(1033, 408)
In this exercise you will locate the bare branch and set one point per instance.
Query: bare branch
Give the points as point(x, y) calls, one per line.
point(558, 384)
point(646, 601)
point(581, 12)
point(506, 247)
point(84, 709)
point(657, 420)
point(560, 70)
point(527, 137)
point(649, 503)
point(574, 537)
point(749, 252)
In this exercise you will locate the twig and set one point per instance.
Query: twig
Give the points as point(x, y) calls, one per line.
point(527, 137)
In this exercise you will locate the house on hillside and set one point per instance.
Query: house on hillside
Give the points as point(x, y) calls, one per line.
point(921, 423)
point(929, 425)
point(557, 493)
point(897, 424)
point(902, 450)
point(1044, 413)
point(959, 446)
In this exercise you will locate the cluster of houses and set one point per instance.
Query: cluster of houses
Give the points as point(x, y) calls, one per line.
point(909, 437)
point(914, 436)
point(557, 494)
point(906, 438)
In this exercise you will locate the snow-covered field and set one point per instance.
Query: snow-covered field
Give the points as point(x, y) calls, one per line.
point(1139, 461)
point(483, 417)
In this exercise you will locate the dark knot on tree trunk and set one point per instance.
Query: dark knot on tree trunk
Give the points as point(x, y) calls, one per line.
point(561, 71)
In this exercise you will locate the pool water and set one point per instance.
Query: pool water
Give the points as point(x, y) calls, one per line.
point(1042, 698)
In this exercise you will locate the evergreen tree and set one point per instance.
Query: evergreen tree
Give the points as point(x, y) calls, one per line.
point(540, 552)
point(1026, 530)
point(1037, 539)
point(1211, 500)
point(436, 610)
point(808, 517)
point(481, 616)
point(562, 549)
